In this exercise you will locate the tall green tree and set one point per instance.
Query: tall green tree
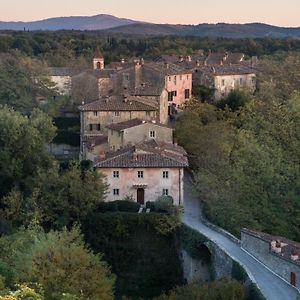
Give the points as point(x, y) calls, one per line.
point(58, 261)
point(23, 81)
point(22, 148)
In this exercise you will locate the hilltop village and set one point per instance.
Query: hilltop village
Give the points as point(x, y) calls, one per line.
point(148, 168)
point(127, 109)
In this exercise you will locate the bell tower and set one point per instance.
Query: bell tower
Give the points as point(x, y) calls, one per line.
point(98, 60)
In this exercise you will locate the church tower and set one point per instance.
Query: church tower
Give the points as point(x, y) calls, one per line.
point(98, 60)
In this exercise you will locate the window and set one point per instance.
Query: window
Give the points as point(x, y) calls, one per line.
point(111, 132)
point(116, 192)
point(175, 80)
point(116, 174)
point(95, 113)
point(165, 174)
point(169, 78)
point(117, 113)
point(98, 65)
point(241, 81)
point(140, 174)
point(165, 192)
point(180, 77)
point(223, 82)
point(93, 127)
point(187, 94)
point(187, 76)
point(171, 95)
point(152, 134)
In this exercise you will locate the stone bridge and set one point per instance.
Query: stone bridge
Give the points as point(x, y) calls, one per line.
point(272, 287)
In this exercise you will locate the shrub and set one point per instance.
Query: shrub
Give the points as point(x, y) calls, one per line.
point(128, 206)
point(150, 205)
point(118, 205)
point(164, 204)
point(238, 272)
point(254, 293)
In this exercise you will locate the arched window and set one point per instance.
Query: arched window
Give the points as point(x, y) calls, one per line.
point(98, 65)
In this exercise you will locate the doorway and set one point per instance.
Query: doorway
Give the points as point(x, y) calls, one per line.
point(141, 196)
point(293, 279)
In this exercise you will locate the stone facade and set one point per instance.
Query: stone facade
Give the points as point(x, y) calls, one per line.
point(261, 246)
point(152, 182)
point(224, 79)
point(145, 131)
point(224, 84)
point(180, 86)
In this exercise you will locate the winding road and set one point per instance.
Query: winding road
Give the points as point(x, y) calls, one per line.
point(271, 286)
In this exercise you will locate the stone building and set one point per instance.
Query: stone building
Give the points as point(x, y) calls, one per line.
point(144, 172)
point(62, 78)
point(277, 253)
point(135, 131)
point(95, 116)
point(224, 79)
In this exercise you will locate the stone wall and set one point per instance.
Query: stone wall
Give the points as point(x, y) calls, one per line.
point(261, 250)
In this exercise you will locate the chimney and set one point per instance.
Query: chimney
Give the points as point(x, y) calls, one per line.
point(125, 98)
point(277, 248)
point(122, 60)
point(106, 99)
point(189, 58)
point(134, 156)
point(167, 66)
point(153, 121)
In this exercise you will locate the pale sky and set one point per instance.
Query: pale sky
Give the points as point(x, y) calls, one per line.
point(276, 12)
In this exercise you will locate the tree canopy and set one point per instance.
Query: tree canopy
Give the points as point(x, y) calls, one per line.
point(58, 261)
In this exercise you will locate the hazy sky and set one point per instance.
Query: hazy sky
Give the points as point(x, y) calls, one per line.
point(277, 12)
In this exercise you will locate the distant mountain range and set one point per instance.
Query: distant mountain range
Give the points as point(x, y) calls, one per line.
point(111, 24)
point(98, 22)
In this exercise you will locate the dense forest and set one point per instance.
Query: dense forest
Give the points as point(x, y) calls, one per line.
point(243, 151)
point(74, 48)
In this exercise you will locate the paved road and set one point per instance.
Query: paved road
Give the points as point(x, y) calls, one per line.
point(271, 286)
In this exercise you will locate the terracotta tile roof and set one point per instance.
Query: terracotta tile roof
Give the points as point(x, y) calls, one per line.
point(166, 69)
point(104, 73)
point(234, 58)
point(227, 70)
point(215, 59)
point(118, 103)
point(125, 124)
point(98, 53)
point(133, 123)
point(146, 155)
point(148, 90)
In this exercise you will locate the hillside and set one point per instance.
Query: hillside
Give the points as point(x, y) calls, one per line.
point(98, 22)
point(252, 30)
point(113, 25)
